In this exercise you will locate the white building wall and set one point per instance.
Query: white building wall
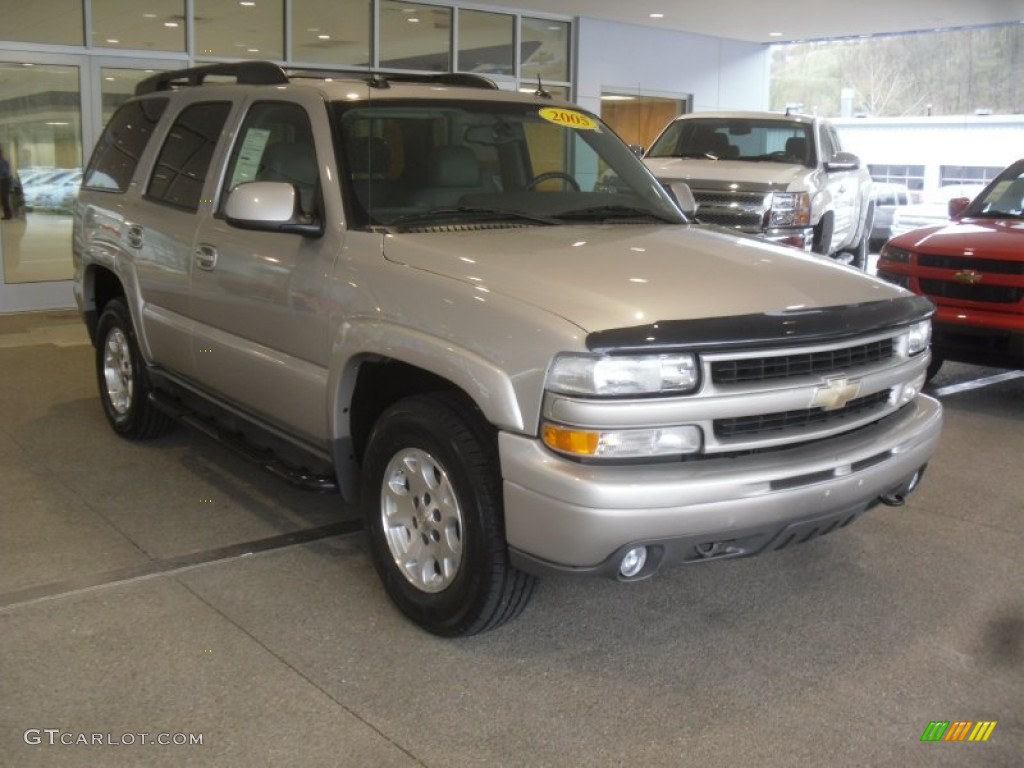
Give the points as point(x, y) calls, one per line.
point(717, 73)
point(967, 140)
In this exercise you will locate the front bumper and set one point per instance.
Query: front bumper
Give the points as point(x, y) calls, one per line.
point(566, 517)
point(979, 337)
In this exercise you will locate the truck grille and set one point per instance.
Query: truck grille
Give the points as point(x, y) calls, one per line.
point(808, 363)
point(739, 210)
point(773, 424)
point(995, 266)
point(992, 294)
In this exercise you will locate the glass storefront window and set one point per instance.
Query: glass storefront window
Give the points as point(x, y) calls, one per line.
point(41, 136)
point(156, 25)
point(118, 85)
point(544, 46)
point(59, 22)
point(333, 32)
point(486, 43)
point(250, 29)
point(415, 36)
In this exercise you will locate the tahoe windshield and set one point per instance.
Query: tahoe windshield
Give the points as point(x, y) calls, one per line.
point(778, 141)
point(418, 164)
point(1004, 198)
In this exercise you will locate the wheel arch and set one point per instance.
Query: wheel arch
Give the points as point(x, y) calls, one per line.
point(384, 364)
point(99, 286)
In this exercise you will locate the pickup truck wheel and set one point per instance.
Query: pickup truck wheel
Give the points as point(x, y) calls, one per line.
point(123, 382)
point(823, 235)
point(432, 500)
point(858, 255)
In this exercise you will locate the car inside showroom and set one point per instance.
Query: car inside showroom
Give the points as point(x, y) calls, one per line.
point(651, 375)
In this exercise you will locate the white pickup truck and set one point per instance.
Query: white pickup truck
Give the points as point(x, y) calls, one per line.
point(784, 177)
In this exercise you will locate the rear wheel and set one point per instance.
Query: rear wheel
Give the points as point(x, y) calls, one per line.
point(432, 501)
point(123, 381)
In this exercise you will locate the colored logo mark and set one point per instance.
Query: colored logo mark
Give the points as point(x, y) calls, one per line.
point(958, 730)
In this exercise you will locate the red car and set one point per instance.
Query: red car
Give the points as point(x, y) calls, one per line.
point(972, 268)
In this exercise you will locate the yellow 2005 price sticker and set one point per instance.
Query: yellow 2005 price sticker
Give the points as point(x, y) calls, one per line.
point(569, 118)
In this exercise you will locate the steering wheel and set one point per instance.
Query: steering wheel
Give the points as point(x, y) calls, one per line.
point(549, 175)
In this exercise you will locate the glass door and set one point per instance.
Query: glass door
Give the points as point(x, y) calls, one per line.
point(41, 139)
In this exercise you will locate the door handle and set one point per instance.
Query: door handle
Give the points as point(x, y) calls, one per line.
point(134, 236)
point(206, 257)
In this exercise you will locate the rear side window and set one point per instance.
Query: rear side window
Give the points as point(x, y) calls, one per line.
point(124, 140)
point(184, 160)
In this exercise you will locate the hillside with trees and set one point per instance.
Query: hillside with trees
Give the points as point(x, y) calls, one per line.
point(952, 72)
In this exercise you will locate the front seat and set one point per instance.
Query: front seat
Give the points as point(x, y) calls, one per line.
point(295, 164)
point(452, 171)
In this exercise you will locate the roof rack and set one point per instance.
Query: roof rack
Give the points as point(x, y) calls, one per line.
point(244, 72)
point(268, 73)
point(384, 79)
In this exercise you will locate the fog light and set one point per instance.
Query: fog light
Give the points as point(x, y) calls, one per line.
point(633, 562)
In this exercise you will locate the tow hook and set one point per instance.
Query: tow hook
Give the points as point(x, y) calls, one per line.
point(897, 497)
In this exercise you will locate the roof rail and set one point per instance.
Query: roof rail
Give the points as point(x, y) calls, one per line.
point(384, 79)
point(244, 72)
point(268, 73)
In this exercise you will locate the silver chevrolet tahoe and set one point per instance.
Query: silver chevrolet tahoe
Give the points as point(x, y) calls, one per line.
point(480, 317)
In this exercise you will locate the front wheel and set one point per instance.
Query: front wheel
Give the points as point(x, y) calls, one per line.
point(122, 377)
point(432, 501)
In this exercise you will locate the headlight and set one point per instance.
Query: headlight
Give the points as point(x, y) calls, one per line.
point(903, 281)
point(790, 209)
point(622, 443)
point(895, 255)
point(609, 376)
point(919, 336)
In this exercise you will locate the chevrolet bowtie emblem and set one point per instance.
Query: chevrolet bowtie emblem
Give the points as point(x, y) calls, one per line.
point(836, 393)
point(967, 277)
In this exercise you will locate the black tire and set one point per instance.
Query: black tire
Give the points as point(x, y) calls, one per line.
point(823, 235)
point(858, 255)
point(122, 377)
point(458, 580)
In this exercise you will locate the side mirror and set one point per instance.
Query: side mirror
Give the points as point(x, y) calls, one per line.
point(957, 206)
point(843, 161)
point(269, 206)
point(684, 198)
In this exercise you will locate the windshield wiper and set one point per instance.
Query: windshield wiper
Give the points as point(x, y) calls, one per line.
point(605, 212)
point(996, 215)
point(470, 212)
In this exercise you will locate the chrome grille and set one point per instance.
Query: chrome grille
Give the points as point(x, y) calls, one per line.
point(774, 424)
point(806, 363)
point(730, 209)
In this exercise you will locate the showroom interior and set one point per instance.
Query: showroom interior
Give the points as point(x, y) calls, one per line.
point(171, 587)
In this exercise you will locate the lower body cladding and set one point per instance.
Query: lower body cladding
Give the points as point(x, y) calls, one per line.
point(626, 522)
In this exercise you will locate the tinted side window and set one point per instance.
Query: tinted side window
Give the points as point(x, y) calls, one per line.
point(122, 144)
point(275, 143)
point(184, 159)
point(828, 148)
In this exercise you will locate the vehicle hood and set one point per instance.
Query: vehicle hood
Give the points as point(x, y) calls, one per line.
point(605, 277)
point(983, 238)
point(749, 175)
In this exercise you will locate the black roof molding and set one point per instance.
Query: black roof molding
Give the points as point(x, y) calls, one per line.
point(244, 72)
point(268, 73)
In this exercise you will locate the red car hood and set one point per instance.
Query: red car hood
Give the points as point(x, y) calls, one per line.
point(986, 238)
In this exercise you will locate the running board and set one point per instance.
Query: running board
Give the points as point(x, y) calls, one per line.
point(297, 477)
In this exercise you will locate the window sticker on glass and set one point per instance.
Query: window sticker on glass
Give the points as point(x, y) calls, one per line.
point(249, 156)
point(569, 118)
